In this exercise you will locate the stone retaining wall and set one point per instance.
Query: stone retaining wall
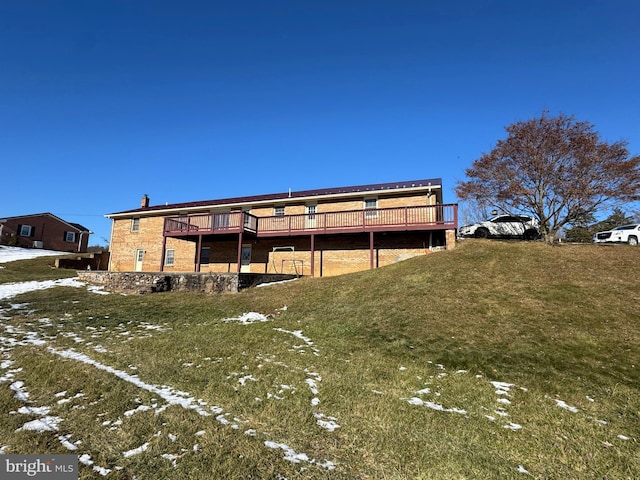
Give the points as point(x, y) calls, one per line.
point(147, 282)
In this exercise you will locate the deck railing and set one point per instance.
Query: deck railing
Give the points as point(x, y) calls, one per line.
point(401, 218)
point(209, 223)
point(380, 219)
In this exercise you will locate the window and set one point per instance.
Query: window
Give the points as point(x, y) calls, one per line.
point(278, 211)
point(371, 206)
point(169, 257)
point(70, 237)
point(205, 255)
point(135, 224)
point(26, 231)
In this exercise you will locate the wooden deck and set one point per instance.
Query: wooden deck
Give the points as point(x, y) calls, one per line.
point(434, 217)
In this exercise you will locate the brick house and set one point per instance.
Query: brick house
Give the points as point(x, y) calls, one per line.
point(319, 232)
point(44, 230)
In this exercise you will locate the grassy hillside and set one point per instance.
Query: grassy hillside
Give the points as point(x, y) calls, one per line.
point(494, 360)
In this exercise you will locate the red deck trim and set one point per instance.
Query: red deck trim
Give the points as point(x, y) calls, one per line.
point(380, 220)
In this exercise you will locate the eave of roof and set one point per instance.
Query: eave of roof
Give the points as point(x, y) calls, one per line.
point(336, 192)
point(77, 226)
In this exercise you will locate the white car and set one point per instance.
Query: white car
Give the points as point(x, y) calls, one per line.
point(603, 237)
point(503, 226)
point(626, 234)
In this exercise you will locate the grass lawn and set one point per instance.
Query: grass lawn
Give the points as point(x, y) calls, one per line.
point(493, 360)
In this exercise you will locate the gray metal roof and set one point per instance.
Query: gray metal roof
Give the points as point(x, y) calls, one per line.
point(276, 197)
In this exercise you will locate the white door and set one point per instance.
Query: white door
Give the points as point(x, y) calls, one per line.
point(138, 262)
point(310, 216)
point(245, 259)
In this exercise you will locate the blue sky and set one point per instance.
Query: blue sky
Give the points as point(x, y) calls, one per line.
point(102, 101)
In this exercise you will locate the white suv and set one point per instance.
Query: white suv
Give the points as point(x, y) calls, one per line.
point(626, 234)
point(503, 226)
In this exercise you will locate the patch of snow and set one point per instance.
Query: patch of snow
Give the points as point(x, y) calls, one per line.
point(9, 290)
point(329, 424)
point(562, 404)
point(44, 424)
point(19, 392)
point(6, 364)
point(11, 254)
point(298, 334)
point(275, 283)
point(292, 456)
point(67, 400)
point(313, 386)
point(243, 380)
point(136, 451)
point(502, 385)
point(64, 440)
point(513, 426)
point(170, 395)
point(97, 289)
point(172, 458)
point(141, 408)
point(247, 318)
point(435, 406)
point(34, 410)
point(85, 459)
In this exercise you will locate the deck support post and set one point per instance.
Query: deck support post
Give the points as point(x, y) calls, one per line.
point(239, 251)
point(162, 254)
point(371, 256)
point(198, 253)
point(313, 254)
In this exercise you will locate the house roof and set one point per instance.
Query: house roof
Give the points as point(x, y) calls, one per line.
point(76, 226)
point(373, 189)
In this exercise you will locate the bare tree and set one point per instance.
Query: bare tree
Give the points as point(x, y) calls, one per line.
point(470, 211)
point(553, 168)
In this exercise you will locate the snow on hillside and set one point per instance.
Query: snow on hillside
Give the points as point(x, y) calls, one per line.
point(11, 254)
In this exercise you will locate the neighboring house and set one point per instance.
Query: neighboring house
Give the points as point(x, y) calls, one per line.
point(314, 232)
point(44, 230)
